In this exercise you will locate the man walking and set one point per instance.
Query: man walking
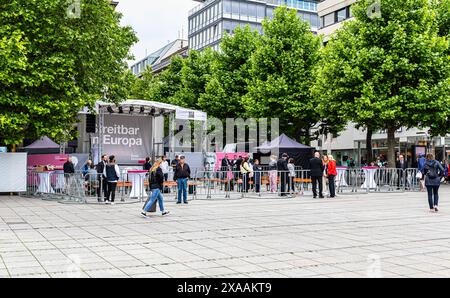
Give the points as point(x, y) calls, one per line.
point(102, 183)
point(317, 169)
point(283, 170)
point(181, 176)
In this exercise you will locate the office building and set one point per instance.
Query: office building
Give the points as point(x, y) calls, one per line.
point(160, 59)
point(209, 21)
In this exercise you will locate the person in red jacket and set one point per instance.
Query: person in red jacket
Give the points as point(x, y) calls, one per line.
point(331, 174)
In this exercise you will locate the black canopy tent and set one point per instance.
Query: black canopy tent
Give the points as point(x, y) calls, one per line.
point(283, 144)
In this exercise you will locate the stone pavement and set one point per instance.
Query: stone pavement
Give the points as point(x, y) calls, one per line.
point(372, 235)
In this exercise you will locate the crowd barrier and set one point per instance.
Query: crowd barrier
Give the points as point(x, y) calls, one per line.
point(133, 186)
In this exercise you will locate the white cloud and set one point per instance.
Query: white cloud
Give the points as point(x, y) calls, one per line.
point(156, 22)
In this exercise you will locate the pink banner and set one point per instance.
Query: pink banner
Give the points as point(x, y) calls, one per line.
point(231, 156)
point(56, 160)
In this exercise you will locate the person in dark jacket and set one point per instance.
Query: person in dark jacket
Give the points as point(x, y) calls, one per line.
point(257, 170)
point(283, 173)
point(102, 183)
point(181, 176)
point(147, 165)
point(112, 174)
point(317, 169)
point(156, 181)
point(68, 166)
point(401, 166)
point(433, 172)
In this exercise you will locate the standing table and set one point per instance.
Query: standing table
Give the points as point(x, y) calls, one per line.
point(45, 185)
point(137, 178)
point(369, 173)
point(341, 177)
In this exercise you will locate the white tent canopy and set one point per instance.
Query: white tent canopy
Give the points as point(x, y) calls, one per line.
point(156, 108)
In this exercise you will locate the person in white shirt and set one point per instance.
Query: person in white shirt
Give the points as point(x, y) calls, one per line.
point(112, 174)
point(165, 167)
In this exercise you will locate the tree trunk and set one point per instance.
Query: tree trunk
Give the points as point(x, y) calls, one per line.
point(391, 147)
point(369, 144)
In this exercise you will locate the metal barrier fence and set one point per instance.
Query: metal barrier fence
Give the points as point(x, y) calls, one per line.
point(133, 186)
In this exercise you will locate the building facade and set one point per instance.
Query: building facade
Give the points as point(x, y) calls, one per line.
point(160, 59)
point(352, 141)
point(210, 20)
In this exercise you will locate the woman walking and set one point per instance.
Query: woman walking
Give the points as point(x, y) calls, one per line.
point(112, 174)
point(156, 180)
point(433, 171)
point(331, 174)
point(273, 174)
point(257, 168)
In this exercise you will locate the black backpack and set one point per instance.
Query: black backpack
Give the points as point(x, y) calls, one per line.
point(432, 172)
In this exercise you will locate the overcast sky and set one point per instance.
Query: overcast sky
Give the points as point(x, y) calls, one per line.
point(156, 22)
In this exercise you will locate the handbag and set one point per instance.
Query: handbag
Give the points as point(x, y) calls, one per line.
point(419, 175)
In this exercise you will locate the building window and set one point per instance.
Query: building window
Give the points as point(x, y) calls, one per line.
point(261, 12)
point(341, 15)
point(227, 6)
point(328, 20)
point(235, 8)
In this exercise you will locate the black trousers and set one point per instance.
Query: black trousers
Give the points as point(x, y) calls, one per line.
point(332, 185)
point(111, 193)
point(314, 186)
point(283, 181)
point(102, 186)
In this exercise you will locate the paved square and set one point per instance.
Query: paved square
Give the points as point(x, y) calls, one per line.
point(366, 235)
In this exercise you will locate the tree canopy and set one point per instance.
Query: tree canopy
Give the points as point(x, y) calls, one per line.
point(388, 72)
point(54, 64)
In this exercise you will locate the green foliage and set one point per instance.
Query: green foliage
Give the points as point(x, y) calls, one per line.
point(282, 73)
point(52, 66)
point(387, 72)
point(230, 72)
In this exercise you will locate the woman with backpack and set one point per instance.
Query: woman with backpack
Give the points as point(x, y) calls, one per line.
point(156, 181)
point(433, 171)
point(112, 173)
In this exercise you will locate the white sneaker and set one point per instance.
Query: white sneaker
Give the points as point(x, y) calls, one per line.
point(112, 203)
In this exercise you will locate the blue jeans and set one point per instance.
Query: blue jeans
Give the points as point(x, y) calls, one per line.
point(433, 190)
point(156, 195)
point(182, 188)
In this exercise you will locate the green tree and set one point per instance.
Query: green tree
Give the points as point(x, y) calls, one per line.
point(282, 74)
point(194, 75)
point(57, 64)
point(388, 71)
point(229, 75)
point(159, 87)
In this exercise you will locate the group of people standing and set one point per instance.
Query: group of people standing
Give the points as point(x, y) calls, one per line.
point(323, 170)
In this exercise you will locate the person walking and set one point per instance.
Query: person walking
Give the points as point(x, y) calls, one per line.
point(283, 171)
point(421, 168)
point(246, 172)
point(331, 174)
point(317, 168)
point(273, 174)
point(433, 172)
point(292, 175)
point(112, 174)
point(156, 181)
point(257, 170)
point(181, 176)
